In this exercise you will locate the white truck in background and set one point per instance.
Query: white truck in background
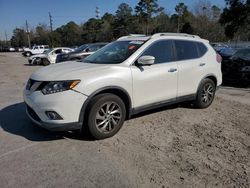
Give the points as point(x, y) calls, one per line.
point(39, 49)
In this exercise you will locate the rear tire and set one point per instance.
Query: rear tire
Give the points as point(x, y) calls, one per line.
point(205, 94)
point(106, 115)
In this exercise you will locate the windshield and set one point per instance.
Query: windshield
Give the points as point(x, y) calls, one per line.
point(115, 52)
point(81, 48)
point(47, 51)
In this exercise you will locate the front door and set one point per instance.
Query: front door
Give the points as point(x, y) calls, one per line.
point(158, 82)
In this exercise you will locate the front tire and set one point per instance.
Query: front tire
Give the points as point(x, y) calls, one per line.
point(205, 94)
point(106, 115)
point(46, 62)
point(38, 61)
point(28, 54)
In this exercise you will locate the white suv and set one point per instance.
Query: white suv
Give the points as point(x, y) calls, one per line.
point(128, 76)
point(35, 50)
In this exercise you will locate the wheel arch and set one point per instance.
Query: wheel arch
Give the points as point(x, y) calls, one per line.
point(210, 76)
point(116, 90)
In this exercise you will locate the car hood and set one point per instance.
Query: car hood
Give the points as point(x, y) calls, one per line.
point(66, 71)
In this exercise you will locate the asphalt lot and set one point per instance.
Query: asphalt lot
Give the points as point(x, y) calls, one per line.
point(175, 146)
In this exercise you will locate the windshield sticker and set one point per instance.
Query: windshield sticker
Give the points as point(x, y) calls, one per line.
point(132, 47)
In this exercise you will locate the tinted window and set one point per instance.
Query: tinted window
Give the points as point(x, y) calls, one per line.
point(186, 50)
point(202, 48)
point(58, 51)
point(161, 50)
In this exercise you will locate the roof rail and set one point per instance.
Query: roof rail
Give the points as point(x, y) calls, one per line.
point(131, 35)
point(175, 34)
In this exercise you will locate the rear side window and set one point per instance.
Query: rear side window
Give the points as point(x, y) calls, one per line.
point(161, 50)
point(186, 50)
point(202, 48)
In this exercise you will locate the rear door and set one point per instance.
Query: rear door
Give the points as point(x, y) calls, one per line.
point(156, 83)
point(191, 67)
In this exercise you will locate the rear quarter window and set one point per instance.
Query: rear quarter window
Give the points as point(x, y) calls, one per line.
point(201, 48)
point(186, 50)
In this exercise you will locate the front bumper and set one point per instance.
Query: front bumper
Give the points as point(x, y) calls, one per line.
point(67, 104)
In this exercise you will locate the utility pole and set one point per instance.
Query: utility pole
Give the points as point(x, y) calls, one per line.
point(178, 27)
point(51, 29)
point(97, 11)
point(6, 37)
point(50, 22)
point(28, 33)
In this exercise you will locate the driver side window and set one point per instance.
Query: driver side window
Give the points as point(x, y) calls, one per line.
point(161, 50)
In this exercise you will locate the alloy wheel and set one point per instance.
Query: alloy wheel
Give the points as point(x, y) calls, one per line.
point(108, 117)
point(207, 93)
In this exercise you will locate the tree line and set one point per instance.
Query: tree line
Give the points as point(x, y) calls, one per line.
point(148, 17)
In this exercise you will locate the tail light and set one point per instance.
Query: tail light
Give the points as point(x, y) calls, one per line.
point(218, 58)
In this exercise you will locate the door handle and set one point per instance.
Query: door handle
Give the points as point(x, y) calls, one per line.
point(172, 70)
point(202, 64)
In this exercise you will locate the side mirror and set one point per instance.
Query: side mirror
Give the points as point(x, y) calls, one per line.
point(87, 50)
point(146, 60)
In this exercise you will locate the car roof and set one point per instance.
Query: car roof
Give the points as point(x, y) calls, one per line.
point(98, 43)
point(61, 48)
point(162, 35)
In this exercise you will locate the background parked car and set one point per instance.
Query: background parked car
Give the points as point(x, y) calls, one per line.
point(218, 46)
point(35, 50)
point(237, 67)
point(49, 56)
point(81, 52)
point(12, 49)
point(19, 49)
point(227, 52)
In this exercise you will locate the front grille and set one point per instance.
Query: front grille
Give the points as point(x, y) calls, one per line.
point(33, 114)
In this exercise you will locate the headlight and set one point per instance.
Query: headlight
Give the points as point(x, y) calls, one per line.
point(59, 86)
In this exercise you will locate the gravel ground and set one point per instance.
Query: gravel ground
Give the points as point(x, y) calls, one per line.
point(175, 146)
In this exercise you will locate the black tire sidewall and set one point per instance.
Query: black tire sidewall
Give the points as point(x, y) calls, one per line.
point(199, 103)
point(28, 54)
point(45, 62)
point(94, 106)
point(38, 61)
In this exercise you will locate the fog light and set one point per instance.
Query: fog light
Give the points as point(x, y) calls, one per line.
point(53, 115)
